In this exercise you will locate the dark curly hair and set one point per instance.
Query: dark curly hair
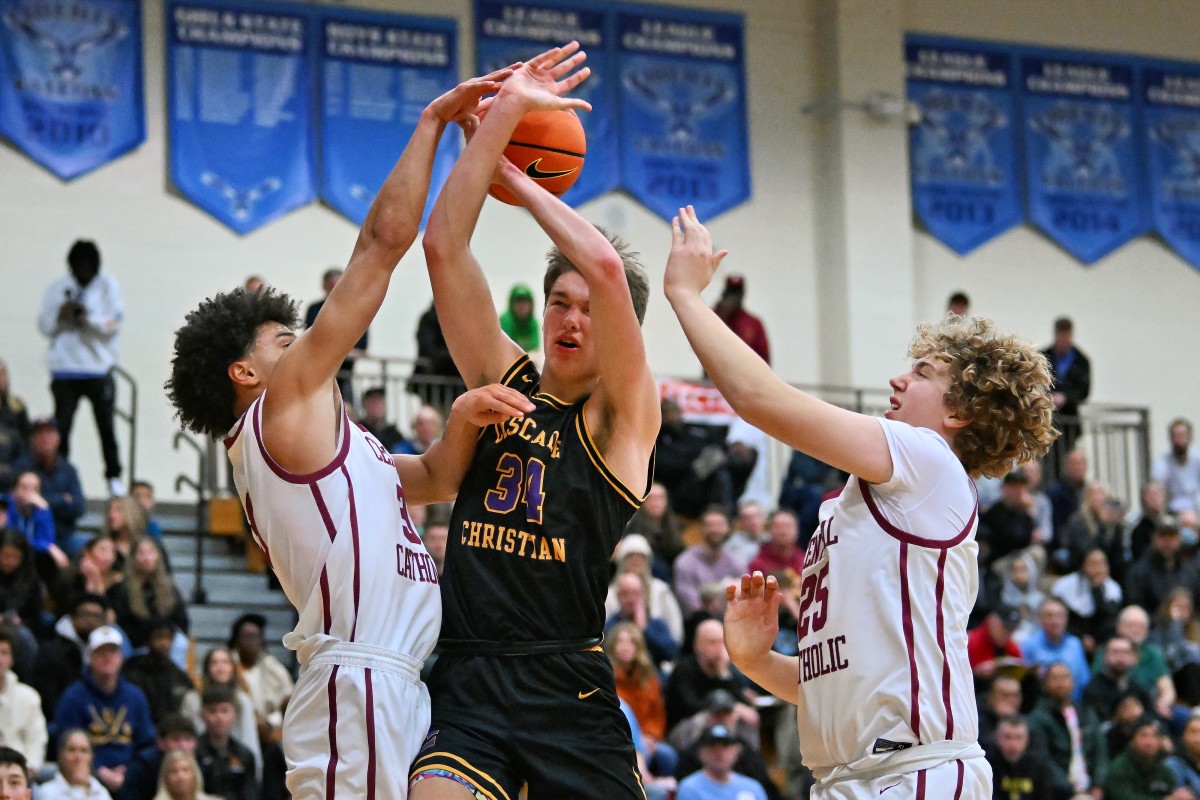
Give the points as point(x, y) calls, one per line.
point(1001, 384)
point(216, 334)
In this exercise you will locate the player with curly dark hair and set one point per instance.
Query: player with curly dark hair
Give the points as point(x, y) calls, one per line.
point(326, 502)
point(882, 682)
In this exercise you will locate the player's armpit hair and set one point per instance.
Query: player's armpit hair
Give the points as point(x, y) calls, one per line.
point(1000, 383)
point(220, 331)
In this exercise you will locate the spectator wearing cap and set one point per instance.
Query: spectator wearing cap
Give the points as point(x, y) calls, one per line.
point(748, 327)
point(1072, 372)
point(718, 751)
point(519, 322)
point(60, 660)
point(1141, 771)
point(112, 710)
point(1008, 526)
point(60, 483)
point(81, 315)
point(1050, 644)
point(721, 707)
point(267, 681)
point(633, 555)
point(1161, 568)
point(991, 646)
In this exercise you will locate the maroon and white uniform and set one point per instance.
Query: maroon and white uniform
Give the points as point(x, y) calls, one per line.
point(351, 562)
point(886, 697)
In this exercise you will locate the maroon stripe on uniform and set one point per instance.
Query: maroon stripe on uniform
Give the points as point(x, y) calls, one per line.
point(905, 536)
point(325, 604)
point(906, 614)
point(958, 788)
point(324, 511)
point(921, 785)
point(262, 543)
point(941, 640)
point(331, 769)
point(354, 541)
point(371, 737)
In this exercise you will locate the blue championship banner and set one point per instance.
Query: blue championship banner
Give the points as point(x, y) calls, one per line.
point(1081, 150)
point(963, 152)
point(507, 32)
point(1170, 95)
point(71, 93)
point(377, 73)
point(239, 89)
point(683, 109)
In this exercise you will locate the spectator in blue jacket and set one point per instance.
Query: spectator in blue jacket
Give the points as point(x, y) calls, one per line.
point(28, 512)
point(113, 711)
point(60, 483)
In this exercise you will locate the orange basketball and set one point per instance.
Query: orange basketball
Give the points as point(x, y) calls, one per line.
point(549, 146)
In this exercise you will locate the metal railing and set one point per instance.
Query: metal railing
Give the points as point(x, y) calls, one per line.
point(129, 417)
point(199, 484)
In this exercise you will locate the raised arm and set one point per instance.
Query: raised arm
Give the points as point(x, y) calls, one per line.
point(843, 439)
point(464, 303)
point(623, 413)
point(301, 386)
point(434, 476)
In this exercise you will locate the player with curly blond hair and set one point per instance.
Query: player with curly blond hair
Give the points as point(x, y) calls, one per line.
point(882, 685)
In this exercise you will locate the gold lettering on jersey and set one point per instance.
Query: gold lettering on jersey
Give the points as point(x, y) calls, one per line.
point(526, 428)
point(822, 658)
point(503, 539)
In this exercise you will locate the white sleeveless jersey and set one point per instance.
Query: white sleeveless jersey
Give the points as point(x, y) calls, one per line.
point(889, 579)
point(341, 542)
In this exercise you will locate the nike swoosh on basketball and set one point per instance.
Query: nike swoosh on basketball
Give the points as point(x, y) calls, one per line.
point(586, 695)
point(536, 173)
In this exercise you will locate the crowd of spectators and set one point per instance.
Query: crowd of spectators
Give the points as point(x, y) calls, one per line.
point(1084, 640)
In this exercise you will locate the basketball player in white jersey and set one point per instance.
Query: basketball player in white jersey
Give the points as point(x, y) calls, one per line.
point(883, 688)
point(326, 502)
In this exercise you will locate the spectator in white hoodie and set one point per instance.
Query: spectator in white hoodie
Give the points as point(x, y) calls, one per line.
point(81, 314)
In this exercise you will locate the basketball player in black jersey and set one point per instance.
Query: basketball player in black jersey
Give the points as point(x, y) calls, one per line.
point(522, 692)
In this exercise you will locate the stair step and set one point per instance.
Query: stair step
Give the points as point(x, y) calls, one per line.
point(214, 621)
point(231, 587)
point(275, 648)
point(183, 546)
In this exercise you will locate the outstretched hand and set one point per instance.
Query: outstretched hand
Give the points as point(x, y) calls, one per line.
point(541, 82)
point(751, 618)
point(692, 261)
point(493, 403)
point(462, 102)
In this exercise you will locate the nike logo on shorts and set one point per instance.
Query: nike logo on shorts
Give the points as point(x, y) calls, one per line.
point(536, 173)
point(893, 786)
point(586, 695)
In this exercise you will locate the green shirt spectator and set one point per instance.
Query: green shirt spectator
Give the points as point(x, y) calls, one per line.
point(518, 320)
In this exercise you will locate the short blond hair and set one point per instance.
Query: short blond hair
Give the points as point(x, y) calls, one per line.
point(1000, 383)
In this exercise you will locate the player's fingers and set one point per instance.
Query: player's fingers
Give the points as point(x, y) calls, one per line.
point(746, 583)
point(563, 67)
point(571, 81)
point(501, 73)
point(676, 231)
point(770, 587)
point(514, 398)
point(731, 592)
point(575, 104)
point(718, 257)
